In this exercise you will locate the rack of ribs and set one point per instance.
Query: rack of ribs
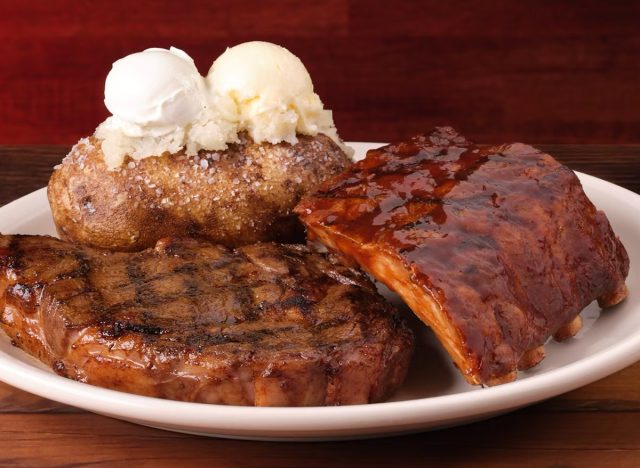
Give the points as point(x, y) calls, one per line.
point(495, 248)
point(265, 324)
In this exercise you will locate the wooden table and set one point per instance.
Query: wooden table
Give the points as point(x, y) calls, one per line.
point(598, 425)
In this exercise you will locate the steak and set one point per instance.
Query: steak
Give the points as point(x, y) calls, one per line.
point(495, 248)
point(265, 325)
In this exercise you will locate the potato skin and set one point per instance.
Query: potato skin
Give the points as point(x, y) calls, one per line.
point(239, 196)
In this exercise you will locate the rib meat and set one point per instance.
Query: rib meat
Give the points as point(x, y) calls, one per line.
point(266, 324)
point(496, 248)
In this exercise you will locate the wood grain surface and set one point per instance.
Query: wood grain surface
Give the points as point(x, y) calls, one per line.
point(544, 71)
point(597, 425)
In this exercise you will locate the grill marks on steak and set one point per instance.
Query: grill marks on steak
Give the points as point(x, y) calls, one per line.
point(496, 248)
point(267, 324)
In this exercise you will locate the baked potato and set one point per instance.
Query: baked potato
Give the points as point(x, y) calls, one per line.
point(239, 196)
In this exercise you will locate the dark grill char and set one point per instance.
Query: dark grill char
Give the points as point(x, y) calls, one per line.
point(267, 324)
point(496, 248)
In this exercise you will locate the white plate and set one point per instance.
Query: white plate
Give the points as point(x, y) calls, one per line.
point(434, 395)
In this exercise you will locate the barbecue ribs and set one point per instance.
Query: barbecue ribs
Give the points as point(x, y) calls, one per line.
point(496, 248)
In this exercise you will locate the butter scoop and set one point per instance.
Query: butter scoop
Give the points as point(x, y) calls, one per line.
point(272, 92)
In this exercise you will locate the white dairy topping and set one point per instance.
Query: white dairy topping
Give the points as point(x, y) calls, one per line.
point(272, 91)
point(157, 88)
point(160, 103)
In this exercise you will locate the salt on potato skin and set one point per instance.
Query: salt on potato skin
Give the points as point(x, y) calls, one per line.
point(235, 197)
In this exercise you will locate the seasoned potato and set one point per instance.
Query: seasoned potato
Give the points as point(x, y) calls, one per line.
point(239, 196)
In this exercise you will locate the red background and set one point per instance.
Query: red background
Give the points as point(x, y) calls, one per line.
point(536, 71)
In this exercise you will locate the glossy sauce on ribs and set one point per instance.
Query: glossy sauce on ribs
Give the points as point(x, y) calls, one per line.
point(496, 248)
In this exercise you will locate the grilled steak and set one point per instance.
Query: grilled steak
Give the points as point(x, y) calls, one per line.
point(496, 248)
point(266, 324)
